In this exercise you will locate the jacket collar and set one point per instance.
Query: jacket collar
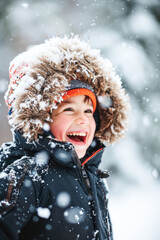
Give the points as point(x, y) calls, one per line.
point(59, 152)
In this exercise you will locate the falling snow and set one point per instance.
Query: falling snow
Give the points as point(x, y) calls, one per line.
point(42, 158)
point(46, 127)
point(63, 199)
point(43, 212)
point(105, 101)
point(74, 215)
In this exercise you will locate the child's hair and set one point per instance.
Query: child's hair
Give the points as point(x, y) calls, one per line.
point(40, 77)
point(87, 99)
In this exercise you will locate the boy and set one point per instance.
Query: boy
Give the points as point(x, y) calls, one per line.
point(64, 102)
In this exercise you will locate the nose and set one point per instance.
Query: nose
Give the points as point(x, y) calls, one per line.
point(81, 119)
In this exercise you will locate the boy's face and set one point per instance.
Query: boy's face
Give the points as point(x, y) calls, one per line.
point(73, 122)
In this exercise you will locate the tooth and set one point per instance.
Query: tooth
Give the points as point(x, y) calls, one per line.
point(82, 134)
point(77, 134)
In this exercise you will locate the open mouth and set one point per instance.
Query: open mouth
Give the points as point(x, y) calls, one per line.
point(78, 137)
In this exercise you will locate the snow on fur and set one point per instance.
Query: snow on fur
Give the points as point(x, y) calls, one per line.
point(40, 76)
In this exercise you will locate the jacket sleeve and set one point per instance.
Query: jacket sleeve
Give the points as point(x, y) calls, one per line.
point(108, 219)
point(17, 203)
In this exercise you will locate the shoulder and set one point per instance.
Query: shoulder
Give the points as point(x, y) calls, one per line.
point(26, 165)
point(19, 179)
point(5, 151)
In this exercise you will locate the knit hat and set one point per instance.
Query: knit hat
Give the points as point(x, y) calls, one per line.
point(42, 76)
point(78, 87)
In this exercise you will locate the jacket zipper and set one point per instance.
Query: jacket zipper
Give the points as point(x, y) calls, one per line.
point(90, 197)
point(87, 182)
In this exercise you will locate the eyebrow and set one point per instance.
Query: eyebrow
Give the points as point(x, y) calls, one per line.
point(67, 101)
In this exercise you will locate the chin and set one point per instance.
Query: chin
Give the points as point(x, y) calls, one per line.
point(80, 154)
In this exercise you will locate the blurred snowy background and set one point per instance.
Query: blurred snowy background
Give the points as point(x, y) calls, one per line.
point(128, 34)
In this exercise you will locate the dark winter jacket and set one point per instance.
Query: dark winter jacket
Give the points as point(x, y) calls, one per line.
point(47, 193)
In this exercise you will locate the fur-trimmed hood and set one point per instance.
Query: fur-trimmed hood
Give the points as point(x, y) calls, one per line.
point(40, 76)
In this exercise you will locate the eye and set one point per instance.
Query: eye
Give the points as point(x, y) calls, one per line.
point(88, 111)
point(68, 109)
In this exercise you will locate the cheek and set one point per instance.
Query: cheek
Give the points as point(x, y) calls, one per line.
point(92, 128)
point(58, 127)
point(93, 125)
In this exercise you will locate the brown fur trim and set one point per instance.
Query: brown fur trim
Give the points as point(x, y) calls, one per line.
point(52, 78)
